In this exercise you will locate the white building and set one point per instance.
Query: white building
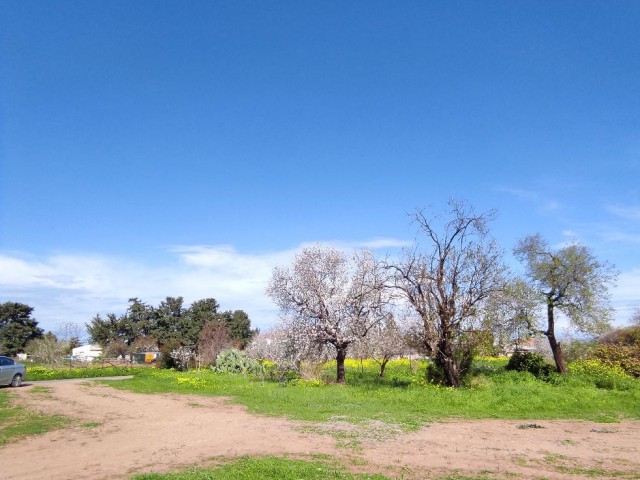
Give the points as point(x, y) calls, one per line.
point(87, 353)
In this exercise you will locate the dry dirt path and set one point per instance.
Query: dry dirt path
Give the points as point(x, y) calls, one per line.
point(142, 433)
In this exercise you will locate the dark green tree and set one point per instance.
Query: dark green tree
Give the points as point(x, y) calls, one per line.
point(174, 322)
point(17, 327)
point(203, 311)
point(239, 326)
point(104, 331)
point(138, 322)
point(170, 323)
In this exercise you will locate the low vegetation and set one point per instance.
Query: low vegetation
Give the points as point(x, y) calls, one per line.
point(280, 468)
point(266, 467)
point(37, 372)
point(17, 422)
point(591, 391)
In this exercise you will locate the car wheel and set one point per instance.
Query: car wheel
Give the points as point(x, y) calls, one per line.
point(17, 380)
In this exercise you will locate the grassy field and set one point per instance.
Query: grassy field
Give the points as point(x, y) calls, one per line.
point(42, 372)
point(404, 398)
point(265, 467)
point(17, 422)
point(274, 467)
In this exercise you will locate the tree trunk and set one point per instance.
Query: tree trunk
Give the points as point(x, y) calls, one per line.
point(383, 364)
point(446, 361)
point(555, 346)
point(341, 354)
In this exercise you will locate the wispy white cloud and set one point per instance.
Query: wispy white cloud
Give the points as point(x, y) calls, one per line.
point(570, 238)
point(380, 243)
point(74, 287)
point(628, 213)
point(540, 201)
point(614, 235)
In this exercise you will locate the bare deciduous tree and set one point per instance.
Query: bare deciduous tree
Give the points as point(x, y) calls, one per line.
point(447, 282)
point(214, 338)
point(116, 349)
point(570, 280)
point(330, 298)
point(47, 349)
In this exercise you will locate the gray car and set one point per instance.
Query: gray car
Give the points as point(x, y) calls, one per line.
point(11, 372)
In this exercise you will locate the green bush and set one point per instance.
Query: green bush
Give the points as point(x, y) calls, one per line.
point(282, 372)
point(620, 347)
point(166, 361)
point(533, 363)
point(602, 375)
point(575, 349)
point(235, 361)
point(626, 357)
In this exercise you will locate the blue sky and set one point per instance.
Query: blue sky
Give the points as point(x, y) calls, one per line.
point(185, 148)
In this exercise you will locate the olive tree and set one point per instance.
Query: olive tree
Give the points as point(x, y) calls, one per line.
point(510, 314)
point(569, 280)
point(447, 281)
point(330, 298)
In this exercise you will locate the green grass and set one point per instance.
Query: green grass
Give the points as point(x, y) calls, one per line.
point(37, 372)
point(281, 469)
point(17, 422)
point(276, 468)
point(403, 397)
point(266, 467)
point(569, 466)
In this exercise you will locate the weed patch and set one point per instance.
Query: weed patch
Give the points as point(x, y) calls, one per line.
point(404, 397)
point(17, 422)
point(266, 467)
point(36, 373)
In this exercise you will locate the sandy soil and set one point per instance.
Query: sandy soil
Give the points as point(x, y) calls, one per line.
point(142, 433)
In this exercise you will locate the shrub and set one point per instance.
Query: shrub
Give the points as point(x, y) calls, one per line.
point(576, 349)
point(166, 361)
point(602, 375)
point(235, 361)
point(281, 372)
point(622, 336)
point(620, 347)
point(627, 357)
point(435, 373)
point(533, 363)
point(182, 358)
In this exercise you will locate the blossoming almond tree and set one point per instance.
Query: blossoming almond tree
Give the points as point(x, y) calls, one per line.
point(330, 298)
